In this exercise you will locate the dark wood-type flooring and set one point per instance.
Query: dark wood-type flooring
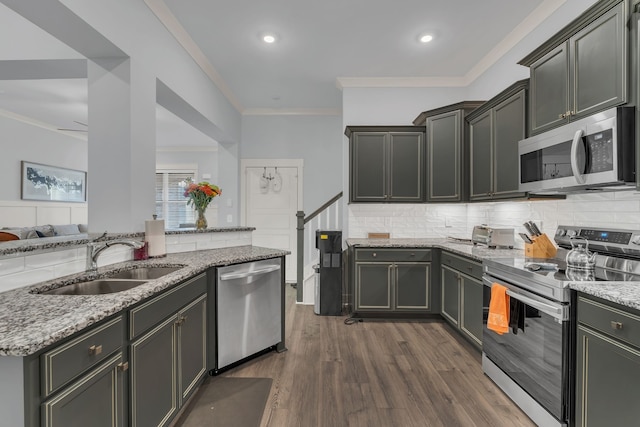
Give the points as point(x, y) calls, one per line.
point(376, 373)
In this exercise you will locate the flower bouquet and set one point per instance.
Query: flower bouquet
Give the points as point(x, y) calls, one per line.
point(199, 196)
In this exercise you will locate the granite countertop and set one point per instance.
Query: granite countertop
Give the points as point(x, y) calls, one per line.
point(57, 242)
point(624, 293)
point(468, 250)
point(30, 322)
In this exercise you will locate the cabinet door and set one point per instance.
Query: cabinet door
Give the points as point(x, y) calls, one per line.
point(373, 286)
point(406, 167)
point(192, 345)
point(480, 142)
point(598, 63)
point(607, 378)
point(153, 376)
point(471, 308)
point(450, 293)
point(412, 286)
point(549, 94)
point(369, 167)
point(444, 144)
point(96, 399)
point(508, 128)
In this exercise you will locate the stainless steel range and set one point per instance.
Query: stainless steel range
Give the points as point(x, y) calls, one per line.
point(532, 362)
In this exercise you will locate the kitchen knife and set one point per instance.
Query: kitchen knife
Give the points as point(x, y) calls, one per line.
point(527, 227)
point(536, 230)
point(526, 238)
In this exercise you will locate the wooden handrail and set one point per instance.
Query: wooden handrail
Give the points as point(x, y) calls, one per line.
point(323, 207)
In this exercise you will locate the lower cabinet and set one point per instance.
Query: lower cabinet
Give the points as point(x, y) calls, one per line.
point(461, 293)
point(607, 364)
point(96, 399)
point(168, 361)
point(392, 281)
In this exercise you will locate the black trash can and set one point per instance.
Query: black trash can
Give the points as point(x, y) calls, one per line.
point(329, 295)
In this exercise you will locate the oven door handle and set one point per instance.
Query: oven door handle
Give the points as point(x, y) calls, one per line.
point(560, 312)
point(551, 310)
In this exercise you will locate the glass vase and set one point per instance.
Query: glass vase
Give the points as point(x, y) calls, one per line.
point(201, 221)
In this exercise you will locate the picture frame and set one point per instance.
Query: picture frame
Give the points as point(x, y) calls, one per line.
point(52, 183)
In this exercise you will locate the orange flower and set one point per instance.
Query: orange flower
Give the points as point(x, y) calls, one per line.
point(200, 194)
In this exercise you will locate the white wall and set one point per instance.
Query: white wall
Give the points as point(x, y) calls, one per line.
point(315, 139)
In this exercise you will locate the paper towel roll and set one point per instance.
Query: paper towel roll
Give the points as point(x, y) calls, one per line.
point(154, 236)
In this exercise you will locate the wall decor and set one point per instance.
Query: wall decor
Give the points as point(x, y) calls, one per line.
point(52, 183)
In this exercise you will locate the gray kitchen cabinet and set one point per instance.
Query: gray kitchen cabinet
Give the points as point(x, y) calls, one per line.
point(447, 136)
point(607, 364)
point(82, 379)
point(169, 360)
point(582, 69)
point(386, 163)
point(95, 399)
point(461, 293)
point(495, 129)
point(392, 281)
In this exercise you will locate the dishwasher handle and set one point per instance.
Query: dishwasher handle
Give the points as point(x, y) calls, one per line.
point(249, 273)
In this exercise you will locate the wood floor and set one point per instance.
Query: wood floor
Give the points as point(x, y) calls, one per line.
point(376, 373)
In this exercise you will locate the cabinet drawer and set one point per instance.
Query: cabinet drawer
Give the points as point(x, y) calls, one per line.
point(385, 254)
point(65, 362)
point(611, 321)
point(466, 266)
point(152, 312)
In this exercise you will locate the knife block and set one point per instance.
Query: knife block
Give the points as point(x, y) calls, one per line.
point(541, 247)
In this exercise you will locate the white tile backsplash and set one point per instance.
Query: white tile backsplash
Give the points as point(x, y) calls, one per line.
point(611, 209)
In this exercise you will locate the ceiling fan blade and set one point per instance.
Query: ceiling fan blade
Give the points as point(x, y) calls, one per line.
point(73, 130)
point(80, 123)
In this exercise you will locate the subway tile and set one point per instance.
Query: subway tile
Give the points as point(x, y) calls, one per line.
point(50, 258)
point(25, 278)
point(67, 268)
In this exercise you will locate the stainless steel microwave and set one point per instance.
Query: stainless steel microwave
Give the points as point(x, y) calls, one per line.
point(593, 153)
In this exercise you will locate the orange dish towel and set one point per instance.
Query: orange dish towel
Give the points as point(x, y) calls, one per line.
point(498, 320)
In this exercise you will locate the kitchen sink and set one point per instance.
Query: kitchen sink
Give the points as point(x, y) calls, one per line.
point(143, 273)
point(115, 282)
point(96, 287)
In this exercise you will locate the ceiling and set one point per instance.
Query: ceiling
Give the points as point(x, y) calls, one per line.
point(321, 45)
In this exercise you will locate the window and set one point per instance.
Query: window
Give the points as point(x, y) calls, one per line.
point(171, 205)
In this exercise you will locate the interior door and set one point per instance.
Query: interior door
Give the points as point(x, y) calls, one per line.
point(271, 196)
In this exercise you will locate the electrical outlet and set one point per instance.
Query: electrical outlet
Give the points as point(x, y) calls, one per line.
point(447, 222)
point(229, 218)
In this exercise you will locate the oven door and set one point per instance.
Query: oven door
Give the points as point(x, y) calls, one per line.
point(535, 352)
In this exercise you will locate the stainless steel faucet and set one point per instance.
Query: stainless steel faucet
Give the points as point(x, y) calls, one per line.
point(94, 249)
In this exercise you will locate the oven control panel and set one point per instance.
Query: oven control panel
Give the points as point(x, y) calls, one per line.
point(608, 240)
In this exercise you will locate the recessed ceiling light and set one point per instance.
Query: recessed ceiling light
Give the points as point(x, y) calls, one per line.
point(426, 38)
point(269, 38)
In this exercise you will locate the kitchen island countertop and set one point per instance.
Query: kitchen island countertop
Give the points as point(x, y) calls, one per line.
point(30, 322)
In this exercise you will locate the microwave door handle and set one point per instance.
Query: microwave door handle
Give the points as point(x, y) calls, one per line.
point(575, 168)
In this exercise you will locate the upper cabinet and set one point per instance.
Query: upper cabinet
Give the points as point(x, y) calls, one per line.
point(386, 163)
point(447, 136)
point(583, 69)
point(494, 131)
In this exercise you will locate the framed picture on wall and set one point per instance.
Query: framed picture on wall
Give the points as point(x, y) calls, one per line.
point(52, 183)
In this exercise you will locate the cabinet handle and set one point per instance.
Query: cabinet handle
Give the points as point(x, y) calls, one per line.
point(616, 325)
point(124, 366)
point(374, 255)
point(572, 113)
point(470, 268)
point(95, 350)
point(413, 254)
point(181, 320)
point(561, 116)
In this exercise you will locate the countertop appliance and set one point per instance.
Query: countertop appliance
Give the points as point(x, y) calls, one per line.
point(596, 152)
point(531, 363)
point(493, 237)
point(249, 310)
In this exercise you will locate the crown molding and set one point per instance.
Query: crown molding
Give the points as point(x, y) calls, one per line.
point(342, 82)
point(292, 112)
point(171, 23)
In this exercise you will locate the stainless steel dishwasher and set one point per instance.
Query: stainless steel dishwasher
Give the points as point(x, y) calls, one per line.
point(249, 309)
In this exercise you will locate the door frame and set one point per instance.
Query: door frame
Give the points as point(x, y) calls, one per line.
point(268, 163)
